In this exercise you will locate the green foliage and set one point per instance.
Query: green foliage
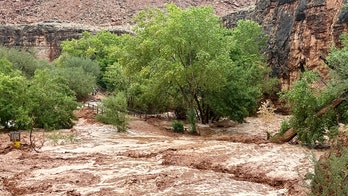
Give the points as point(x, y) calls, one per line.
point(178, 127)
point(185, 57)
point(237, 99)
point(305, 101)
point(80, 73)
point(22, 61)
point(337, 61)
point(115, 78)
point(285, 125)
point(114, 110)
point(52, 102)
point(44, 101)
point(78, 80)
point(88, 66)
point(345, 6)
point(14, 107)
point(331, 175)
point(104, 48)
point(191, 117)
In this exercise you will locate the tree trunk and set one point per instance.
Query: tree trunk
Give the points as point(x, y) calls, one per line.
point(282, 138)
point(291, 133)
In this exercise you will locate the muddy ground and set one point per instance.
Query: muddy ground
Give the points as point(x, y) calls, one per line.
point(94, 159)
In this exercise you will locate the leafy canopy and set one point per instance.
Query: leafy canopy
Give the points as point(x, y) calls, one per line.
point(41, 100)
point(80, 73)
point(187, 55)
point(103, 48)
point(306, 99)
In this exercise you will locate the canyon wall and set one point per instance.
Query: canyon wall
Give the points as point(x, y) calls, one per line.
point(21, 21)
point(45, 38)
point(300, 33)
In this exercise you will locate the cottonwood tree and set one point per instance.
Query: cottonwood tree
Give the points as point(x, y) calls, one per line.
point(188, 56)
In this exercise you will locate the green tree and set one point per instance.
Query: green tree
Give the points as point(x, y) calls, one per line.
point(104, 48)
point(115, 78)
point(80, 73)
point(186, 55)
point(43, 101)
point(23, 61)
point(310, 122)
point(304, 101)
point(52, 101)
point(14, 110)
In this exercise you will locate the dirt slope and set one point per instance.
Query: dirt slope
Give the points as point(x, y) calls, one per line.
point(97, 12)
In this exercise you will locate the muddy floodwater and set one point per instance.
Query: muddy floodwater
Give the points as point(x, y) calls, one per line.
point(94, 159)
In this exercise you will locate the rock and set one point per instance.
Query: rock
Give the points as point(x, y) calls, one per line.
point(300, 33)
point(45, 37)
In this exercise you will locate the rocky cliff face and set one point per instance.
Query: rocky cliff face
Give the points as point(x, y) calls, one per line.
point(45, 38)
point(74, 17)
point(300, 33)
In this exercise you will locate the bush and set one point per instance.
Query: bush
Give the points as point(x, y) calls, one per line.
point(26, 62)
point(331, 171)
point(266, 111)
point(52, 102)
point(331, 175)
point(114, 110)
point(14, 107)
point(81, 74)
point(178, 127)
point(78, 80)
point(305, 101)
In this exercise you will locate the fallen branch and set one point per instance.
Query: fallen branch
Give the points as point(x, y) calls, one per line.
point(33, 144)
point(290, 133)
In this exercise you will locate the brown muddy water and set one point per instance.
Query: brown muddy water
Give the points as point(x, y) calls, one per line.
point(94, 159)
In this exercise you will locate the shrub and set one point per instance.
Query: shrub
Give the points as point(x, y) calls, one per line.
point(114, 110)
point(52, 102)
point(178, 127)
point(78, 80)
point(24, 61)
point(305, 101)
point(81, 74)
point(331, 175)
point(266, 111)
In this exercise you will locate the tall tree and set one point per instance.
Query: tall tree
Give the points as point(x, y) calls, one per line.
point(52, 101)
point(104, 48)
point(14, 110)
point(186, 54)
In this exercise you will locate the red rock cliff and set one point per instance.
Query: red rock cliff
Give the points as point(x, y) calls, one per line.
point(300, 33)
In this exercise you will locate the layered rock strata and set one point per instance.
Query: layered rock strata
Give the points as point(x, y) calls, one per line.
point(300, 33)
point(45, 38)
